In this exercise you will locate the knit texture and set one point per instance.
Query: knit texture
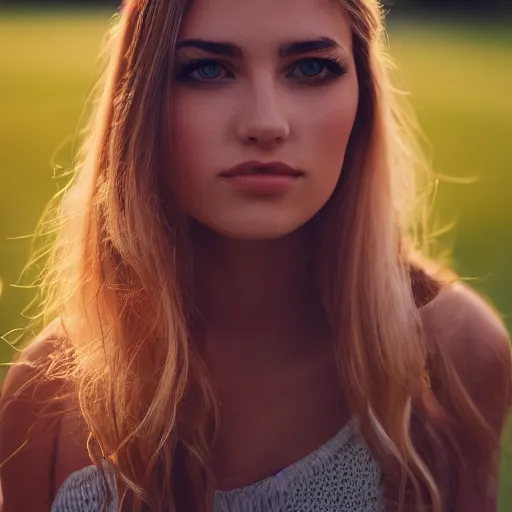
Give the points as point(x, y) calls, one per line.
point(340, 476)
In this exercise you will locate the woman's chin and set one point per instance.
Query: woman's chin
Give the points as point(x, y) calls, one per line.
point(252, 230)
point(255, 233)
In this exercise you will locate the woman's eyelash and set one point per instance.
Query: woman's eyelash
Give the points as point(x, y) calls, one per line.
point(331, 65)
point(184, 73)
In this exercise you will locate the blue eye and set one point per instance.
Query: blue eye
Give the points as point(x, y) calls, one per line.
point(202, 70)
point(311, 67)
point(311, 71)
point(317, 70)
point(209, 71)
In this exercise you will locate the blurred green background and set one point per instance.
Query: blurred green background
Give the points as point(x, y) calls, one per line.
point(460, 77)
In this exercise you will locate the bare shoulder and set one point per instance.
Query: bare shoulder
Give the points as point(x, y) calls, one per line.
point(465, 320)
point(473, 337)
point(27, 363)
point(29, 426)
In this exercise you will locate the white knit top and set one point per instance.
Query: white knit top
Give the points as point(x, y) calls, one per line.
point(340, 476)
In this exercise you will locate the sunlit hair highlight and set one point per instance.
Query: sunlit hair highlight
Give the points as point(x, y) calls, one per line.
point(119, 278)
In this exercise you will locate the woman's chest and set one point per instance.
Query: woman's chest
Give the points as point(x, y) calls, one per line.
point(274, 424)
point(339, 476)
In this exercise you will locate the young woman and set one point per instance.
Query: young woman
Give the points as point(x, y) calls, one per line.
point(244, 321)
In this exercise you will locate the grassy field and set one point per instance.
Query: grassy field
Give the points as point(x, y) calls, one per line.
point(460, 83)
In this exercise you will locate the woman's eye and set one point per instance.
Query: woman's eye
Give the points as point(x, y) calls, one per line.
point(201, 71)
point(317, 69)
point(311, 67)
point(310, 70)
point(209, 71)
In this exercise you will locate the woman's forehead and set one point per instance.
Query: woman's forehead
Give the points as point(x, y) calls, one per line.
point(248, 22)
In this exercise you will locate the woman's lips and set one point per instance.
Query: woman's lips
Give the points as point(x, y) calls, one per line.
point(257, 178)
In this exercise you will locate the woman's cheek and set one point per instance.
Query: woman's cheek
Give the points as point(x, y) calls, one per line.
point(335, 126)
point(190, 131)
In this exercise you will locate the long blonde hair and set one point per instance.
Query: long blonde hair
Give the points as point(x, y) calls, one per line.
point(119, 279)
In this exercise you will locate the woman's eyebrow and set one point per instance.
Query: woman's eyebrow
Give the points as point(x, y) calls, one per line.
point(215, 47)
point(291, 48)
point(286, 49)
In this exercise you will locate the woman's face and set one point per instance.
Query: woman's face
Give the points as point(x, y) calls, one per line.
point(262, 81)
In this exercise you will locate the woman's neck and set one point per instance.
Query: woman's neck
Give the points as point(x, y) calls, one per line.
point(257, 298)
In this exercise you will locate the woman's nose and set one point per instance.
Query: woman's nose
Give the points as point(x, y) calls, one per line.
point(263, 122)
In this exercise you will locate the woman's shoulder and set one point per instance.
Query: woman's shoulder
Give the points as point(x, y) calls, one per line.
point(33, 425)
point(473, 337)
point(25, 379)
point(467, 326)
